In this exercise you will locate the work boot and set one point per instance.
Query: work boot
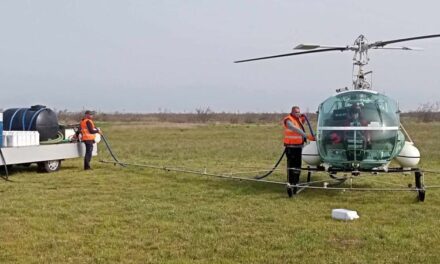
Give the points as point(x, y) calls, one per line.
point(293, 180)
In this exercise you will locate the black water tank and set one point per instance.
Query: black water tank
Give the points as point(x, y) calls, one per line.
point(37, 118)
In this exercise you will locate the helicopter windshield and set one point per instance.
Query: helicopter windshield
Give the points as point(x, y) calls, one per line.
point(359, 127)
point(366, 107)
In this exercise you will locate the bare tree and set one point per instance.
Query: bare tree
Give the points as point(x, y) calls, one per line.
point(203, 114)
point(429, 112)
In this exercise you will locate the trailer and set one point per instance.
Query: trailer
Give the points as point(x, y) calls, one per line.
point(33, 135)
point(47, 157)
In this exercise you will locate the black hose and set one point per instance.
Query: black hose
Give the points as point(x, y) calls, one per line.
point(259, 177)
point(340, 180)
point(282, 155)
point(6, 178)
point(310, 126)
point(111, 152)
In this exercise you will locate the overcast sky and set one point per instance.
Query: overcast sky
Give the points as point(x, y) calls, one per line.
point(146, 56)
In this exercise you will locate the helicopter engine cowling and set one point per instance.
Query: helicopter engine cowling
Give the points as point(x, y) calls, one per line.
point(310, 154)
point(409, 156)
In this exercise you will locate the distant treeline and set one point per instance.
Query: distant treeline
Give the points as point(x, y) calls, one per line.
point(208, 116)
point(197, 117)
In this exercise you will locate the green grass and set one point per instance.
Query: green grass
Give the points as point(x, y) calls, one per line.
point(135, 215)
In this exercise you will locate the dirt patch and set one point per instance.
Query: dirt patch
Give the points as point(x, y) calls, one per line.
point(345, 243)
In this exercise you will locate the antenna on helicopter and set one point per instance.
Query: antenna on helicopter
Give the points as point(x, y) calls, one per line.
point(360, 48)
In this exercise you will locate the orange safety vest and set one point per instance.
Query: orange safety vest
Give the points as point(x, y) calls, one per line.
point(85, 133)
point(292, 137)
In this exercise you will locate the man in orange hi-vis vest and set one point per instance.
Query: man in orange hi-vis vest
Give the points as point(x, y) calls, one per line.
point(88, 131)
point(294, 138)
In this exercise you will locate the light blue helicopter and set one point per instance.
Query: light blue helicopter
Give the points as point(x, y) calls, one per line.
point(359, 129)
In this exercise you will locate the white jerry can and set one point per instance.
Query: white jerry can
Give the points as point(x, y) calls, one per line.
point(344, 214)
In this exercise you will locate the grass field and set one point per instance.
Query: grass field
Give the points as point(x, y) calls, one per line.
point(135, 215)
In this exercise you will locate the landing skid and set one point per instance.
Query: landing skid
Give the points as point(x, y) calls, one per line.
point(331, 184)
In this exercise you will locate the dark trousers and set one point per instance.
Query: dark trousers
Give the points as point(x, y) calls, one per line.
point(294, 159)
point(88, 156)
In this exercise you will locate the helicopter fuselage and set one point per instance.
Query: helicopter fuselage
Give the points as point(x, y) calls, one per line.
point(359, 129)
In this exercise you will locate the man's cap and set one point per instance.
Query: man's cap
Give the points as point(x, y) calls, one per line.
point(89, 112)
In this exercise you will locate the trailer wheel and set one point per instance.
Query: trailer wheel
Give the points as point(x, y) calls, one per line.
point(8, 167)
point(49, 166)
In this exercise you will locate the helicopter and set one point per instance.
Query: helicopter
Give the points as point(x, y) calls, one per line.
point(358, 129)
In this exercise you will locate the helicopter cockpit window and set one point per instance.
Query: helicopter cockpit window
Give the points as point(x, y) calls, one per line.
point(360, 109)
point(358, 126)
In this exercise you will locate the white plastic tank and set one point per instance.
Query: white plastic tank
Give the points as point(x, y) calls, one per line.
point(69, 133)
point(15, 142)
point(20, 138)
point(6, 139)
point(310, 154)
point(27, 139)
point(36, 138)
point(409, 156)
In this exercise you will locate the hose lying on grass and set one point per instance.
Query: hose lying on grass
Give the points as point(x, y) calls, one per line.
point(259, 177)
point(107, 144)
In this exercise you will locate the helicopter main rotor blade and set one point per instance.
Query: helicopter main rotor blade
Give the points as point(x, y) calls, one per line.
point(307, 46)
point(314, 46)
point(383, 43)
point(293, 54)
point(398, 48)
